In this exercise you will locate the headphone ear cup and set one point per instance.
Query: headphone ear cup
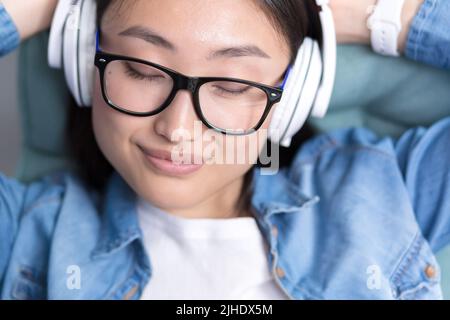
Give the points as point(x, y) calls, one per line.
point(299, 94)
point(325, 90)
point(78, 48)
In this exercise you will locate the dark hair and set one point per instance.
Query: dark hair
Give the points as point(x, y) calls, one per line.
point(293, 19)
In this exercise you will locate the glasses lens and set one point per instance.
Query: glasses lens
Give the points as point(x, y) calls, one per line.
point(135, 86)
point(232, 106)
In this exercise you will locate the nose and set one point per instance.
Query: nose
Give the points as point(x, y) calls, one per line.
point(180, 114)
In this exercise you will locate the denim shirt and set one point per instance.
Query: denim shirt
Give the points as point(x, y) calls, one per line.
point(9, 36)
point(354, 216)
point(429, 37)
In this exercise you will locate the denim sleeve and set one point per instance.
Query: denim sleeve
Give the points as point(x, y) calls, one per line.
point(429, 36)
point(12, 195)
point(9, 36)
point(424, 159)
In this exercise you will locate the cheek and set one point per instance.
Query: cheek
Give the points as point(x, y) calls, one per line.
point(112, 130)
point(102, 119)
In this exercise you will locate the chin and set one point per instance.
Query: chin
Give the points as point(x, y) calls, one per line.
point(165, 192)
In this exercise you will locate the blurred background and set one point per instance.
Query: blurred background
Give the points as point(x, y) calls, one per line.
point(10, 135)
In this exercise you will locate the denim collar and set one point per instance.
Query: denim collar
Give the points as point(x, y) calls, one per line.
point(119, 226)
point(277, 194)
point(272, 195)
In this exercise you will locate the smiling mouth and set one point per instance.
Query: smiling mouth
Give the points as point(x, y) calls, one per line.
point(162, 162)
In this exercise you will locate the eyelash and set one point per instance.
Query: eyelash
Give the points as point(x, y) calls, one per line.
point(235, 93)
point(137, 75)
point(131, 72)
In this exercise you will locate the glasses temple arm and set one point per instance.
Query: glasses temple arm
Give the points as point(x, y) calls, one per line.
point(97, 41)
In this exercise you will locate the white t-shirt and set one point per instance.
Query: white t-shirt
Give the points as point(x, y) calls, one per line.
point(206, 259)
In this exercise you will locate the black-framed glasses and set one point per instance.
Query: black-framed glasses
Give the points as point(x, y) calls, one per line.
point(142, 88)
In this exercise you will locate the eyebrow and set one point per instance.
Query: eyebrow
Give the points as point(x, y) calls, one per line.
point(150, 36)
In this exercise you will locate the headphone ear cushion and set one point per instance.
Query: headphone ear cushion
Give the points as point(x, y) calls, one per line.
point(307, 96)
point(86, 51)
point(299, 94)
point(70, 50)
point(286, 106)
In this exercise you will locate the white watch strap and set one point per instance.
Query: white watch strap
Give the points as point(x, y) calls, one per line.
point(385, 25)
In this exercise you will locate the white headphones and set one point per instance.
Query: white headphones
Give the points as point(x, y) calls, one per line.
point(307, 90)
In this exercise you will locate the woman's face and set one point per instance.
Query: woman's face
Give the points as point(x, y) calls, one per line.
point(184, 36)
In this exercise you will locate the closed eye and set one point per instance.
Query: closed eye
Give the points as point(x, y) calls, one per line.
point(232, 92)
point(135, 74)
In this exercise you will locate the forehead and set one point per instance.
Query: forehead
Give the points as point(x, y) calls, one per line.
point(213, 23)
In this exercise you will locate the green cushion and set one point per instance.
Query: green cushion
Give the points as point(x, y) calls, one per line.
point(387, 95)
point(444, 260)
point(43, 99)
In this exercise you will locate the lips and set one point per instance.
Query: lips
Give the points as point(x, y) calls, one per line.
point(186, 159)
point(160, 154)
point(161, 160)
